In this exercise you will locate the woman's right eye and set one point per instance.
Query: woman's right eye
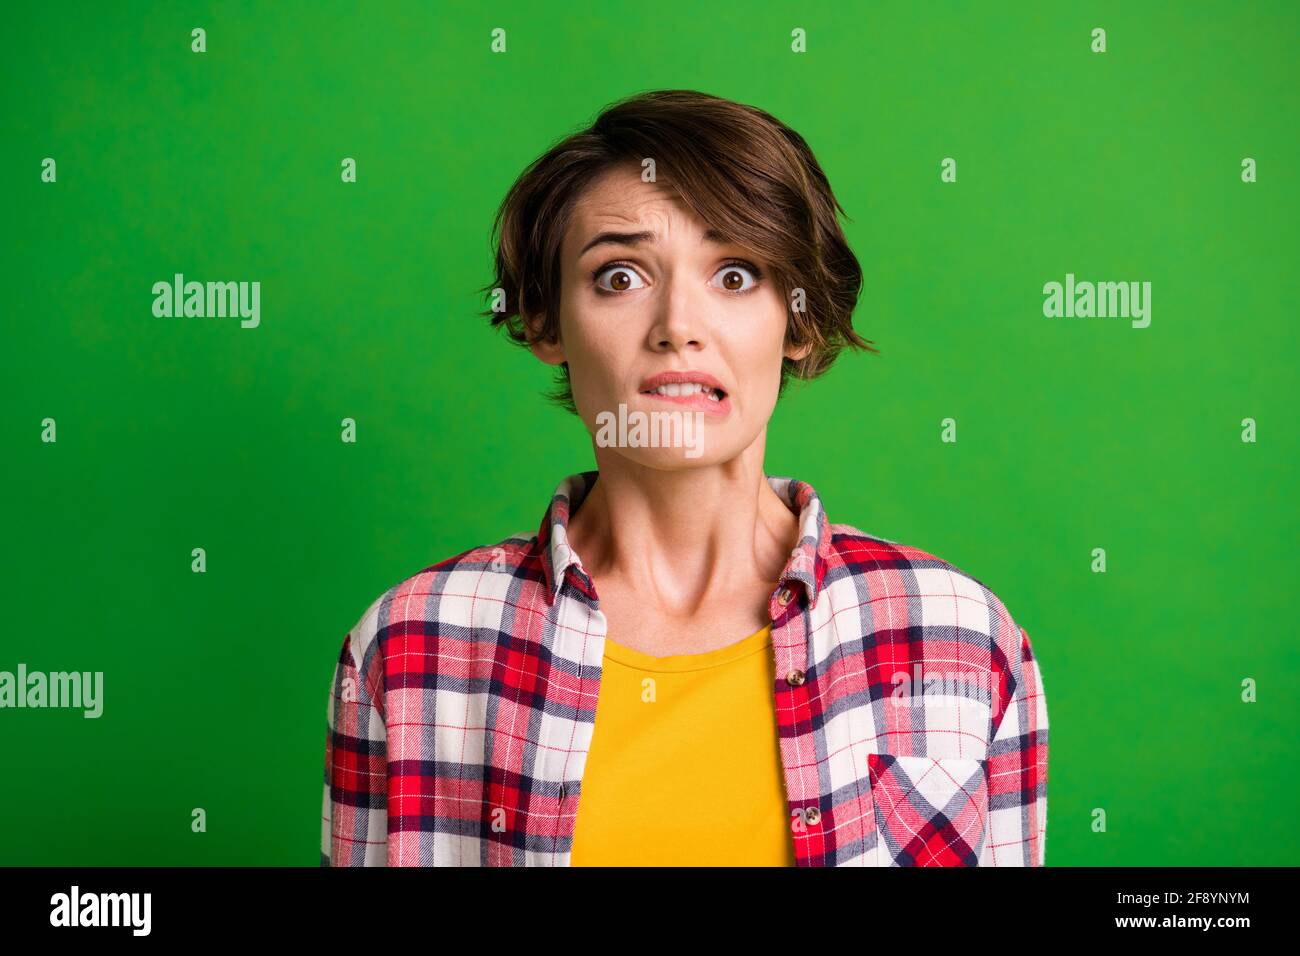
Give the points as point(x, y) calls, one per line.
point(618, 279)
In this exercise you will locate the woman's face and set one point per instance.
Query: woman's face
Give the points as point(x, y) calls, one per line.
point(646, 289)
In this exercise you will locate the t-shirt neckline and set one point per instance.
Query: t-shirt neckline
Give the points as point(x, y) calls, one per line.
point(690, 662)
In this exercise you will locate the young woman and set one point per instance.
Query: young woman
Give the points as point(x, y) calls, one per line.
point(686, 663)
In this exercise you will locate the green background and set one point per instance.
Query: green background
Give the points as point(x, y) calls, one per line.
point(1073, 433)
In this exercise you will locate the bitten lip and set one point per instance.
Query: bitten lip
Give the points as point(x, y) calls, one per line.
point(701, 399)
point(678, 378)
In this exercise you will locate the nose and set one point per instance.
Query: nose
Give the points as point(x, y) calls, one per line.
point(680, 318)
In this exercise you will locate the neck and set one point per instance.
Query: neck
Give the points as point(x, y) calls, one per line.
point(684, 536)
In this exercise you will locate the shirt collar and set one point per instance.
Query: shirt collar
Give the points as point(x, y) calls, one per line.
point(806, 566)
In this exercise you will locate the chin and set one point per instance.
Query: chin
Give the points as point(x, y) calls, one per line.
point(667, 459)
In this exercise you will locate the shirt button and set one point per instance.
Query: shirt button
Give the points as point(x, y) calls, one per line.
point(784, 596)
point(794, 678)
point(812, 815)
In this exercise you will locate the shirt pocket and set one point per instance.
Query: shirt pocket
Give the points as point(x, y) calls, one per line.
point(930, 811)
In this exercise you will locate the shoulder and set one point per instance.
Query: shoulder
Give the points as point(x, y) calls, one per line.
point(923, 589)
point(450, 591)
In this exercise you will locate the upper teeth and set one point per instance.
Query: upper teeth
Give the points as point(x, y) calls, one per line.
point(685, 388)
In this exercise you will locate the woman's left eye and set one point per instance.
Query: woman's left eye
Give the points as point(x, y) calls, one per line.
point(736, 277)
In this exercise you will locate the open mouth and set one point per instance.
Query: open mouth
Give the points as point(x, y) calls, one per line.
point(686, 390)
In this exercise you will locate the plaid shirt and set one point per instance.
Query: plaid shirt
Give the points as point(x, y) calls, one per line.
point(912, 722)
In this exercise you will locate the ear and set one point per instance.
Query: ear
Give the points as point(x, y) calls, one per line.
point(798, 352)
point(552, 353)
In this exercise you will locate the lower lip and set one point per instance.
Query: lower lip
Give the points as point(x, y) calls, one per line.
point(698, 401)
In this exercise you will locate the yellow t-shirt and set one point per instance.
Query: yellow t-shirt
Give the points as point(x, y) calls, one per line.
point(684, 767)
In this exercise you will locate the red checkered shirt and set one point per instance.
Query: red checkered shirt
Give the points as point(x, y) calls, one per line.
point(910, 708)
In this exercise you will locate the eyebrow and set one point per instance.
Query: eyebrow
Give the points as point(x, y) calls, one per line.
point(634, 238)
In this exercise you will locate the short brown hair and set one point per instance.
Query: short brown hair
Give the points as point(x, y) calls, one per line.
point(738, 169)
